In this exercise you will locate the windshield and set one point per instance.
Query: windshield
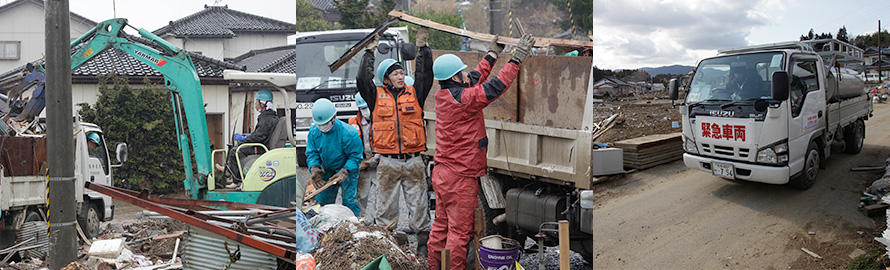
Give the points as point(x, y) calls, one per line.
point(735, 78)
point(314, 58)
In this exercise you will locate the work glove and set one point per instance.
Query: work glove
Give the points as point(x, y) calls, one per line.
point(494, 47)
point(364, 165)
point(317, 175)
point(340, 176)
point(372, 45)
point(524, 47)
point(421, 35)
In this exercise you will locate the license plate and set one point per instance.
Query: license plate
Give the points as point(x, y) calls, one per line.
point(723, 170)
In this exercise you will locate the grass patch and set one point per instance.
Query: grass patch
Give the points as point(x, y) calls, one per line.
point(873, 259)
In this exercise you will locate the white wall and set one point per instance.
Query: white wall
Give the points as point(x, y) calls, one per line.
point(26, 23)
point(244, 43)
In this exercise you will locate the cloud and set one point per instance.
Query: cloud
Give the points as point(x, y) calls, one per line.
point(635, 33)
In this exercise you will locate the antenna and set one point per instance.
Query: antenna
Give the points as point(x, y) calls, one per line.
point(114, 8)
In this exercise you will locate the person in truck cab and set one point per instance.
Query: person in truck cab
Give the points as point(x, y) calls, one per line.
point(398, 135)
point(462, 144)
point(743, 83)
point(265, 125)
point(93, 143)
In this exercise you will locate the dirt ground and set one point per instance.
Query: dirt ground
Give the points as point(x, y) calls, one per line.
point(646, 113)
point(671, 217)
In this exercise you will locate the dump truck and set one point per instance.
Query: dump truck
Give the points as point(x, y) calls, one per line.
point(796, 107)
point(23, 182)
point(541, 154)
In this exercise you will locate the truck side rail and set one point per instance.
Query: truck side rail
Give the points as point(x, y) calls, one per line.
point(561, 156)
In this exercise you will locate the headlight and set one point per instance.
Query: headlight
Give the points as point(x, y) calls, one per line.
point(767, 156)
point(303, 122)
point(689, 146)
point(776, 153)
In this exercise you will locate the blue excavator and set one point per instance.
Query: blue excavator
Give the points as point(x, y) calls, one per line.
point(269, 178)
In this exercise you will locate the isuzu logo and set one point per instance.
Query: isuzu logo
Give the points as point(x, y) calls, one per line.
point(722, 113)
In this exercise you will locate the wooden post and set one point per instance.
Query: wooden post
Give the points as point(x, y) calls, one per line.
point(564, 245)
point(445, 259)
point(480, 232)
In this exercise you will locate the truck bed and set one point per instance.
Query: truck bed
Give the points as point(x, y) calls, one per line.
point(20, 191)
point(562, 156)
point(844, 112)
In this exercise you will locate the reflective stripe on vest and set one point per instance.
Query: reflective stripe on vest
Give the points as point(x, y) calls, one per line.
point(398, 128)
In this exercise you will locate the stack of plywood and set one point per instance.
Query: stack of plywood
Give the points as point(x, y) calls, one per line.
point(650, 151)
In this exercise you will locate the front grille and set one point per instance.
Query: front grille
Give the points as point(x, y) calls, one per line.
point(726, 151)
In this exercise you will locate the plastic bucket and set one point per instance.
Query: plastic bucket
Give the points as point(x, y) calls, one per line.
point(498, 253)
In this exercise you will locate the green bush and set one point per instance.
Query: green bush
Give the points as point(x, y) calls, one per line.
point(440, 40)
point(142, 118)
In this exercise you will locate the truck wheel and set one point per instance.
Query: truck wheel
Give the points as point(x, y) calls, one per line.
point(585, 248)
point(301, 157)
point(89, 220)
point(33, 216)
point(810, 168)
point(854, 137)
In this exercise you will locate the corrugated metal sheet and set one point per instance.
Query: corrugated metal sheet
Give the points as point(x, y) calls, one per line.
point(205, 250)
point(32, 229)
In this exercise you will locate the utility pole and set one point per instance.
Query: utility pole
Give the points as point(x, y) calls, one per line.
point(880, 52)
point(495, 17)
point(60, 142)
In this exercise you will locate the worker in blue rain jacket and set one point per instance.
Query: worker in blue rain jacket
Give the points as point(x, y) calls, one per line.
point(333, 151)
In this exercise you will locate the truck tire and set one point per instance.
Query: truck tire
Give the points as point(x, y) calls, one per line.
point(584, 248)
point(301, 157)
point(854, 137)
point(33, 216)
point(812, 160)
point(89, 220)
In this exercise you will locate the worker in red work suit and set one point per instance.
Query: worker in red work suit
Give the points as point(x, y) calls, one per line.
point(461, 144)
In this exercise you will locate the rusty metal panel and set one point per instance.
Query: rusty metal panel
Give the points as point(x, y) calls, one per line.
point(553, 90)
point(22, 156)
point(504, 108)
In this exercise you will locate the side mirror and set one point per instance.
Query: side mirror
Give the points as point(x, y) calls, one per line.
point(121, 151)
point(780, 86)
point(383, 48)
point(408, 51)
point(673, 89)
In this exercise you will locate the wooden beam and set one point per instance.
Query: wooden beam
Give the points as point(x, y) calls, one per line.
point(563, 245)
point(539, 42)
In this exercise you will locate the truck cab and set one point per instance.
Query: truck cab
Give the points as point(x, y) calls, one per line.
point(773, 113)
point(315, 50)
point(93, 164)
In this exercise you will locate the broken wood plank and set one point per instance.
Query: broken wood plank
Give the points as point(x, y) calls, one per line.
point(539, 42)
point(867, 168)
point(166, 236)
point(811, 253)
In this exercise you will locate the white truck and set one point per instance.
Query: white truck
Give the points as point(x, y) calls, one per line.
point(774, 113)
point(315, 50)
point(23, 176)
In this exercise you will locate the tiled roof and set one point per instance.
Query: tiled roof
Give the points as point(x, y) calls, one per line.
point(323, 4)
point(118, 62)
point(220, 21)
point(274, 60)
point(40, 3)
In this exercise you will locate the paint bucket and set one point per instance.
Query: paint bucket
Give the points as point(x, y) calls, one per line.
point(498, 253)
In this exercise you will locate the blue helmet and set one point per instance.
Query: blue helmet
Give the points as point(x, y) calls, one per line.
point(360, 102)
point(409, 81)
point(446, 66)
point(323, 111)
point(93, 137)
point(264, 95)
point(383, 66)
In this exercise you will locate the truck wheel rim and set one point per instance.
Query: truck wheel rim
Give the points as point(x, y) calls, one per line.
point(812, 164)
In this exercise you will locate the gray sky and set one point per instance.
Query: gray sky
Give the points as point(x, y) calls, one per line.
point(631, 34)
point(154, 14)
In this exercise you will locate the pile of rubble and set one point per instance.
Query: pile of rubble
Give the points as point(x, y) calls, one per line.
point(352, 245)
point(642, 115)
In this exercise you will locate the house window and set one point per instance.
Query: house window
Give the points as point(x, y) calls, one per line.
point(10, 50)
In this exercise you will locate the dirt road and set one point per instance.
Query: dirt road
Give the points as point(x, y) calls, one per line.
point(676, 218)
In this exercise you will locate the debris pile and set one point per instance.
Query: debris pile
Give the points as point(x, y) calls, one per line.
point(351, 245)
point(645, 114)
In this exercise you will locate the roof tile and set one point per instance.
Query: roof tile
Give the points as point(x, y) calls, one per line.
point(220, 21)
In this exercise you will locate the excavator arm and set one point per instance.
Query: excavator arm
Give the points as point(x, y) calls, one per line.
point(180, 76)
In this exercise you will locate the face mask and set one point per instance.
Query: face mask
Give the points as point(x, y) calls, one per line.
point(366, 113)
point(326, 127)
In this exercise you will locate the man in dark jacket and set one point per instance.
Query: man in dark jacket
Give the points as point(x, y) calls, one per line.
point(398, 135)
point(266, 123)
point(461, 144)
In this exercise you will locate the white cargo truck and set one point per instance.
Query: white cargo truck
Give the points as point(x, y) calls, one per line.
point(23, 178)
point(774, 113)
